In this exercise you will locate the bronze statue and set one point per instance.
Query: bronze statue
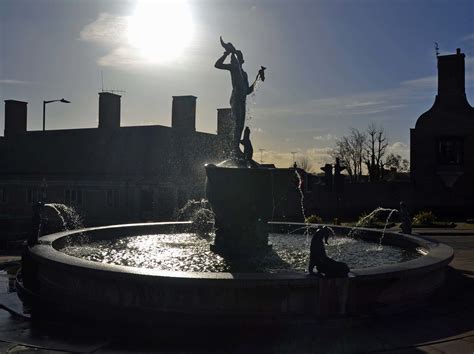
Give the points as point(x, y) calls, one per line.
point(319, 259)
point(247, 144)
point(240, 90)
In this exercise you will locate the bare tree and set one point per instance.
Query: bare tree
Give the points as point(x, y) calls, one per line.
point(304, 163)
point(375, 149)
point(350, 150)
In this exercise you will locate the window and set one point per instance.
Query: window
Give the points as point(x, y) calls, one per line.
point(73, 196)
point(32, 195)
point(450, 150)
point(109, 198)
point(116, 198)
point(113, 198)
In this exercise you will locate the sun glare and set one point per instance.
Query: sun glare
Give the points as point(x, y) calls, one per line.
point(160, 29)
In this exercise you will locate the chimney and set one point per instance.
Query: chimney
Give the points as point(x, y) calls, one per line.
point(183, 113)
point(451, 83)
point(224, 122)
point(15, 118)
point(109, 110)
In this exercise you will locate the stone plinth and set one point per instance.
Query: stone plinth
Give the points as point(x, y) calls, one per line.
point(243, 200)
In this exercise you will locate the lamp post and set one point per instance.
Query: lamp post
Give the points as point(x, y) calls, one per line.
point(44, 109)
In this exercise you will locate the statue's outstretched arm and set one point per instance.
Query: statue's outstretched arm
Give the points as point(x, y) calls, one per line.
point(261, 76)
point(220, 62)
point(252, 87)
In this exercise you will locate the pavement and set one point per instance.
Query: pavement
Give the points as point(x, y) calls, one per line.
point(442, 324)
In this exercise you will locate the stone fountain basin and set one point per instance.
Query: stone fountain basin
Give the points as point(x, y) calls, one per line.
point(84, 289)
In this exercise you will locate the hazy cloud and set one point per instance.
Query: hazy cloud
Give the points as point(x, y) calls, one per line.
point(368, 103)
point(399, 148)
point(469, 37)
point(326, 137)
point(364, 104)
point(428, 82)
point(14, 82)
point(316, 156)
point(111, 30)
point(107, 28)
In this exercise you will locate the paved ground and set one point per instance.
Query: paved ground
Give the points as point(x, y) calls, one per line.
point(444, 324)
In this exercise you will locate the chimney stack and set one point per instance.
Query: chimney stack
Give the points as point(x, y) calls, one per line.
point(451, 83)
point(109, 110)
point(15, 118)
point(183, 113)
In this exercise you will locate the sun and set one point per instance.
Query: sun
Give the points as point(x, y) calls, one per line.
point(160, 30)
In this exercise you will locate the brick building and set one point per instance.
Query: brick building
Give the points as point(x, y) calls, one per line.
point(112, 174)
point(442, 145)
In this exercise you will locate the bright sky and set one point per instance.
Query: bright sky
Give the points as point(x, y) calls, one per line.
point(332, 64)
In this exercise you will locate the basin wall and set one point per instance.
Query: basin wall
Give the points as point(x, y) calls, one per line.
point(79, 287)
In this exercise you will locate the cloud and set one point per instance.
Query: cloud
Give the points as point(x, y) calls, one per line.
point(14, 82)
point(469, 37)
point(326, 137)
point(316, 156)
point(399, 148)
point(371, 103)
point(428, 82)
point(119, 57)
point(364, 104)
point(111, 30)
point(361, 104)
point(107, 28)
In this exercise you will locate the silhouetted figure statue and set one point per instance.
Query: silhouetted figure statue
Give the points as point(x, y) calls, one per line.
point(327, 175)
point(319, 259)
point(36, 224)
point(240, 90)
point(405, 219)
point(247, 144)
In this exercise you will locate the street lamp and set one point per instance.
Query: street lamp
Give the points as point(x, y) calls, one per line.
point(44, 109)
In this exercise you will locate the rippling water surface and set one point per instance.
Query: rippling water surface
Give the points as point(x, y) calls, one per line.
point(189, 252)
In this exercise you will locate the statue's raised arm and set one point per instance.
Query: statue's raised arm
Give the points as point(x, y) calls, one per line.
point(220, 62)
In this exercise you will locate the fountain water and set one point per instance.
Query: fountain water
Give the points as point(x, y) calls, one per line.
point(70, 218)
point(367, 220)
point(200, 214)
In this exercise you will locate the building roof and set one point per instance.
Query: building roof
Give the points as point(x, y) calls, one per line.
point(130, 152)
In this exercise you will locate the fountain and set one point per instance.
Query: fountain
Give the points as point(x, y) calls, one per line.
point(254, 271)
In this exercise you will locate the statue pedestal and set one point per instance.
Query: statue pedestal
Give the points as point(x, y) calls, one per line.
point(243, 200)
point(239, 241)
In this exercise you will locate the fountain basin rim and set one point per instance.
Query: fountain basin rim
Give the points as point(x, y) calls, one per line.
point(213, 166)
point(438, 255)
